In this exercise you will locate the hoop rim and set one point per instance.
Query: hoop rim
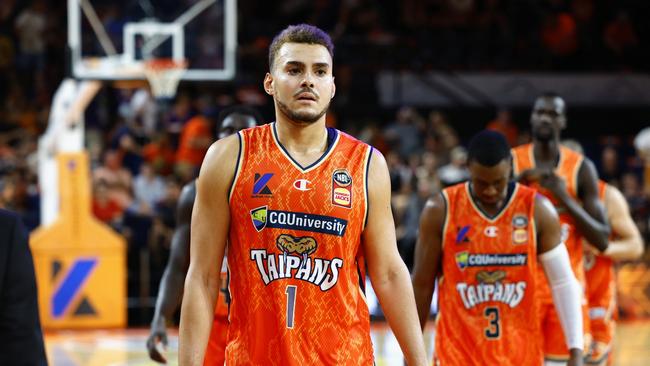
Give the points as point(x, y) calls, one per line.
point(164, 64)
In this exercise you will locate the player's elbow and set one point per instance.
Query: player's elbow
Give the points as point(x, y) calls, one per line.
point(637, 249)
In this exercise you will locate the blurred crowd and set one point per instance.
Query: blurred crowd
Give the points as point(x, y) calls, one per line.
point(142, 154)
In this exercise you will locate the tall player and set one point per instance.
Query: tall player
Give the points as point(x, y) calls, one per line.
point(231, 120)
point(569, 180)
point(302, 208)
point(483, 240)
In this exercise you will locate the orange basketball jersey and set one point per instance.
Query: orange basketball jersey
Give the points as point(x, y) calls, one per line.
point(601, 288)
point(486, 293)
point(567, 169)
point(295, 254)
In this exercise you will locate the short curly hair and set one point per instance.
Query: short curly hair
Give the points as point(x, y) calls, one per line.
point(301, 33)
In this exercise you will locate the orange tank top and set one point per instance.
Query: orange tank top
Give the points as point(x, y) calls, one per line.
point(567, 169)
point(295, 256)
point(599, 271)
point(486, 292)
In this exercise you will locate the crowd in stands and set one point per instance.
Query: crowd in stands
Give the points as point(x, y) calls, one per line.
point(142, 154)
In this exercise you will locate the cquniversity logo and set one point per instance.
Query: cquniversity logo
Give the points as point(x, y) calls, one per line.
point(462, 259)
point(70, 286)
point(258, 215)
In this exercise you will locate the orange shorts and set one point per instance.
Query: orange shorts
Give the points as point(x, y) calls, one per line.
point(554, 345)
point(215, 353)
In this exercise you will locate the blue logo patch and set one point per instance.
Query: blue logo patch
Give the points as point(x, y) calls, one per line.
point(260, 186)
point(71, 285)
point(461, 237)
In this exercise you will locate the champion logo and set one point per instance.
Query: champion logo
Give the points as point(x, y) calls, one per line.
point(491, 231)
point(302, 185)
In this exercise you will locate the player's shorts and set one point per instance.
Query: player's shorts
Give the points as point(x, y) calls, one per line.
point(215, 353)
point(602, 326)
point(554, 344)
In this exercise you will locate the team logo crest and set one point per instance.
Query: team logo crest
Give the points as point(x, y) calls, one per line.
point(300, 245)
point(258, 216)
point(341, 188)
point(490, 276)
point(462, 259)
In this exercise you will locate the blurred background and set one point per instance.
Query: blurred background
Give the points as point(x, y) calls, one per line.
point(415, 78)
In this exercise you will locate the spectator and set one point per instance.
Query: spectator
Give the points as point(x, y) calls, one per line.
point(159, 154)
point(196, 138)
point(503, 124)
point(620, 37)
point(405, 132)
point(456, 170)
point(118, 180)
point(31, 25)
point(148, 190)
point(104, 207)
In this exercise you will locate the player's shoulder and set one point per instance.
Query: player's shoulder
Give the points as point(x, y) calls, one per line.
point(223, 148)
point(523, 189)
point(451, 192)
point(350, 142)
point(520, 148)
point(543, 206)
point(264, 128)
point(220, 160)
point(570, 153)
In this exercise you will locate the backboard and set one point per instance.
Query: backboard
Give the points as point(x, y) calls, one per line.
point(110, 39)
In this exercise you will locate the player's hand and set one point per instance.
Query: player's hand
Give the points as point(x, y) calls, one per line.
point(553, 183)
point(575, 357)
point(157, 337)
point(530, 175)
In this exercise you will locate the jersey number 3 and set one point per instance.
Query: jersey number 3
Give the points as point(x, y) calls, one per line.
point(291, 305)
point(493, 331)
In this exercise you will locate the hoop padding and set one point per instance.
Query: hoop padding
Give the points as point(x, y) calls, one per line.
point(163, 76)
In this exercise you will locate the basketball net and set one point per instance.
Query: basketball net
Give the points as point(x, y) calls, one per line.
point(163, 75)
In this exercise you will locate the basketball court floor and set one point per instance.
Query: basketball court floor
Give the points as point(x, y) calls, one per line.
point(127, 347)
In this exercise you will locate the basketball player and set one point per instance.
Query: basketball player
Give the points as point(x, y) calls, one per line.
point(483, 240)
point(626, 244)
point(231, 120)
point(303, 208)
point(569, 180)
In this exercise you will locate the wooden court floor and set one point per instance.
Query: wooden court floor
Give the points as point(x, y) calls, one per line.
point(126, 347)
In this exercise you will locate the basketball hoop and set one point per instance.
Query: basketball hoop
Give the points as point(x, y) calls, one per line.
point(163, 75)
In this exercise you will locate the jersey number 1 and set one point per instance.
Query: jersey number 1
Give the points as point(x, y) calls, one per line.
point(493, 330)
point(291, 305)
